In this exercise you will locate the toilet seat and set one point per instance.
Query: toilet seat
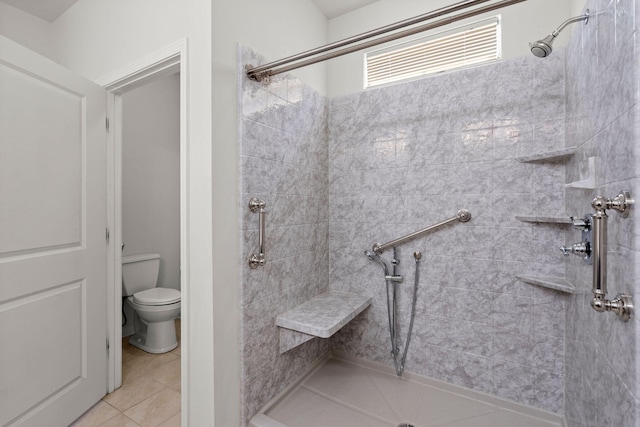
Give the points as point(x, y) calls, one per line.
point(157, 296)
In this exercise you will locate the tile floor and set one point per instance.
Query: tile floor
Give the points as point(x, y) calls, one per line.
point(150, 392)
point(341, 393)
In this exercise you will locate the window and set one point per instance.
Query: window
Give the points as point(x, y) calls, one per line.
point(461, 47)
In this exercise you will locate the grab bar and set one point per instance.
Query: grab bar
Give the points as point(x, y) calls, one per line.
point(622, 304)
point(463, 215)
point(257, 205)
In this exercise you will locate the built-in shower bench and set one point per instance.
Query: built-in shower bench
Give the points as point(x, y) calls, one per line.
point(321, 316)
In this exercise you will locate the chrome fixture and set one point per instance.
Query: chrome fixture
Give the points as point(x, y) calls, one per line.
point(463, 215)
point(389, 277)
point(391, 281)
point(257, 205)
point(264, 72)
point(542, 48)
point(582, 248)
point(375, 257)
point(622, 304)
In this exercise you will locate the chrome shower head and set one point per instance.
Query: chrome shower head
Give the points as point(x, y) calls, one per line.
point(543, 48)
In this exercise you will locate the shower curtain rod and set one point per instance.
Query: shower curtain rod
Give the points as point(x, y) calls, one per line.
point(296, 61)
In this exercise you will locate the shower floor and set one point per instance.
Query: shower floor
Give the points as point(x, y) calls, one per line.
point(343, 393)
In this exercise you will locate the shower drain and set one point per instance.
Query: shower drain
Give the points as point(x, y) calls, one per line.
point(405, 425)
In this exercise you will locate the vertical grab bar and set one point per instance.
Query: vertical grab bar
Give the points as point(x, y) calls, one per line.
point(257, 205)
point(622, 304)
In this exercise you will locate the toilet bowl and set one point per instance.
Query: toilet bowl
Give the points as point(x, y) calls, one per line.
point(155, 308)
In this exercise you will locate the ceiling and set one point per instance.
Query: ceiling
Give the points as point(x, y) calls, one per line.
point(333, 8)
point(50, 10)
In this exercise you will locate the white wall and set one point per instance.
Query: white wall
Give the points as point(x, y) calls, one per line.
point(151, 174)
point(271, 28)
point(274, 29)
point(23, 28)
point(96, 38)
point(521, 24)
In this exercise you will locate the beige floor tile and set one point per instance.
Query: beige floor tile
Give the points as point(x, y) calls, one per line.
point(177, 386)
point(128, 373)
point(150, 391)
point(132, 393)
point(120, 421)
point(156, 409)
point(150, 362)
point(177, 351)
point(99, 413)
point(174, 421)
point(129, 352)
point(167, 374)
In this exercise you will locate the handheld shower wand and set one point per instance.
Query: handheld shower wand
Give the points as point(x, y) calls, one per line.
point(543, 48)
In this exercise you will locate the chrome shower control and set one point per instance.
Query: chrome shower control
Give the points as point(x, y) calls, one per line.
point(581, 223)
point(582, 249)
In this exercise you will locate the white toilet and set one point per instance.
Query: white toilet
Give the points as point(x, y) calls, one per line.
point(155, 308)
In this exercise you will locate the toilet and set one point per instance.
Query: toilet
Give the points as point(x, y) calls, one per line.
point(155, 308)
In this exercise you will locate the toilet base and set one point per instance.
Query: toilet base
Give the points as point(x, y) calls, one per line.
point(159, 338)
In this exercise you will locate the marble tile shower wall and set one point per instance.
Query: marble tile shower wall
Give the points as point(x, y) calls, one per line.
point(602, 121)
point(407, 156)
point(283, 134)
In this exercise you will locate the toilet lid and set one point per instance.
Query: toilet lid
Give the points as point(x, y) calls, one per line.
point(157, 296)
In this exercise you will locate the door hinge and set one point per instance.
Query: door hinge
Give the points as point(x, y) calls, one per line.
point(107, 234)
point(106, 123)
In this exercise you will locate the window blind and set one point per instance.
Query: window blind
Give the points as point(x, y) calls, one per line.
point(462, 47)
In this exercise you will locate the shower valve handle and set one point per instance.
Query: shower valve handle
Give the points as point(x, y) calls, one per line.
point(582, 249)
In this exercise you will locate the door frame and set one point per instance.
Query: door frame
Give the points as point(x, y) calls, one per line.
point(168, 60)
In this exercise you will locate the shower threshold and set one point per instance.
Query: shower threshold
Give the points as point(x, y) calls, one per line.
point(345, 391)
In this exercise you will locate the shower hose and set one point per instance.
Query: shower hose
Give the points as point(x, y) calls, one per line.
point(392, 315)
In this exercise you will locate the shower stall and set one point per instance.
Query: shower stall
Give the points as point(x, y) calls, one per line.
point(498, 310)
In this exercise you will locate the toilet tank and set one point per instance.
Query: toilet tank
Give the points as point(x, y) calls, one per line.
point(139, 273)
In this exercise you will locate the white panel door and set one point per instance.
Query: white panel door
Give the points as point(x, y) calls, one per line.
point(53, 250)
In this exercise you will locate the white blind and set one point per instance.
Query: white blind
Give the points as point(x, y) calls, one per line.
point(473, 44)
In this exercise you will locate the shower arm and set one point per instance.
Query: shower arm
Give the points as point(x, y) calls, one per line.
point(463, 215)
point(584, 17)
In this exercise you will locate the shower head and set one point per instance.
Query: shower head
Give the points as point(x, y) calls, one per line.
point(543, 48)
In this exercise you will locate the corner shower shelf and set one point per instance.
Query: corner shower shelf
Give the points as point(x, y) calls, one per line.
point(545, 219)
point(321, 316)
point(549, 156)
point(555, 283)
